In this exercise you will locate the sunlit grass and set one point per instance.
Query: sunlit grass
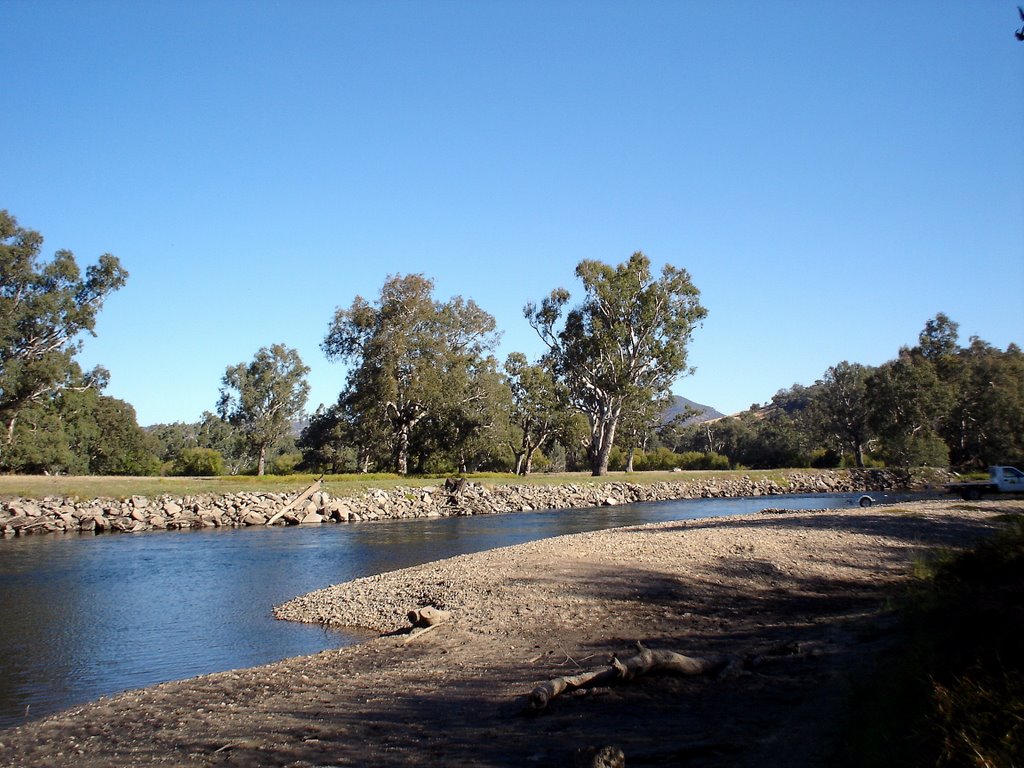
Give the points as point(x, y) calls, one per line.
point(37, 486)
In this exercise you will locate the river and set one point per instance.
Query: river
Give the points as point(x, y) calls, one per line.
point(84, 616)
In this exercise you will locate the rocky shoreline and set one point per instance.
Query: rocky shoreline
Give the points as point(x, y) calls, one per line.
point(20, 517)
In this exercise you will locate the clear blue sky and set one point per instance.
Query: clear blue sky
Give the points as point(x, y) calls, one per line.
point(832, 174)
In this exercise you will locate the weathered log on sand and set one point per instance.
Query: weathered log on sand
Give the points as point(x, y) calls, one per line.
point(428, 616)
point(644, 662)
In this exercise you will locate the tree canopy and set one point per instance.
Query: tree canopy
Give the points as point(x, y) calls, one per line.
point(626, 341)
point(45, 308)
point(424, 393)
point(412, 358)
point(262, 397)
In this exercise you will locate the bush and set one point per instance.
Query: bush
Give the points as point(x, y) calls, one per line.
point(199, 462)
point(284, 464)
point(700, 460)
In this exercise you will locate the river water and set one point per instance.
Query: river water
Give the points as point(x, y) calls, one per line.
point(84, 616)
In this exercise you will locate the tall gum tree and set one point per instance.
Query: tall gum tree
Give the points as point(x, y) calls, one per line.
point(626, 341)
point(262, 397)
point(45, 308)
point(410, 356)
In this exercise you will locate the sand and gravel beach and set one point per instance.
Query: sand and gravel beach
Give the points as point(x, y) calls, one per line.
point(798, 597)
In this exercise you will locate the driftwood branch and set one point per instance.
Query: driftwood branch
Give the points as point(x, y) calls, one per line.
point(623, 670)
point(428, 616)
point(296, 501)
point(424, 620)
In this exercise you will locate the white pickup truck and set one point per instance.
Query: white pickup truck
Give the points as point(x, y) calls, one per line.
point(1000, 480)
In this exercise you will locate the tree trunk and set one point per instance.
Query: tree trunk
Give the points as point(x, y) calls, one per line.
point(262, 463)
point(629, 459)
point(605, 436)
point(519, 457)
point(402, 451)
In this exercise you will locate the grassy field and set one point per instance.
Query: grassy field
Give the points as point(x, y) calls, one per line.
point(36, 487)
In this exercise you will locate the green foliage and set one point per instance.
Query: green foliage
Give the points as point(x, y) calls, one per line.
point(45, 308)
point(841, 409)
point(199, 462)
point(933, 405)
point(625, 343)
point(40, 444)
point(986, 423)
point(325, 443)
point(419, 378)
point(262, 398)
point(665, 460)
point(698, 460)
point(106, 430)
point(80, 432)
point(538, 411)
point(825, 458)
point(285, 463)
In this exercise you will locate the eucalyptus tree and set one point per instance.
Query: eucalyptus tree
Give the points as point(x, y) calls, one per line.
point(82, 432)
point(641, 418)
point(841, 408)
point(907, 403)
point(469, 431)
point(323, 443)
point(45, 308)
point(214, 433)
point(939, 338)
point(411, 357)
point(627, 337)
point(262, 397)
point(538, 411)
point(985, 424)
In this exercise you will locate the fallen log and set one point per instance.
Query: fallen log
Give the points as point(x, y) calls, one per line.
point(296, 501)
point(424, 620)
point(644, 662)
point(427, 616)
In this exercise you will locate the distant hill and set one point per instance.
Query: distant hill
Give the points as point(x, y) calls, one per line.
point(680, 404)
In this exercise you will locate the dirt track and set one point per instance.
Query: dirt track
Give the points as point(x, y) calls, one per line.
point(797, 596)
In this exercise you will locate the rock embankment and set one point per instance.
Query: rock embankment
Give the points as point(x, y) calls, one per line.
point(19, 517)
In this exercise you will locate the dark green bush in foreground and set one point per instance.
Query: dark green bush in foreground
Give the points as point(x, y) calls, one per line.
point(953, 694)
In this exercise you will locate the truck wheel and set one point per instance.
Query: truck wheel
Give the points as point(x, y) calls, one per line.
point(866, 501)
point(973, 494)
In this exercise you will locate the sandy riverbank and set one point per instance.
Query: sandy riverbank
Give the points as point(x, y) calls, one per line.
point(798, 594)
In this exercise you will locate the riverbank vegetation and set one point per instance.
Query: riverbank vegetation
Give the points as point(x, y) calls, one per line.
point(424, 395)
point(952, 693)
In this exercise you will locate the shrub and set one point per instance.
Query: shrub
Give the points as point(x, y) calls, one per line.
point(701, 460)
point(199, 462)
point(284, 464)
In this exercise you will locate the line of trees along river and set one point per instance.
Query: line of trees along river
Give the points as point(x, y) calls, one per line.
point(424, 392)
